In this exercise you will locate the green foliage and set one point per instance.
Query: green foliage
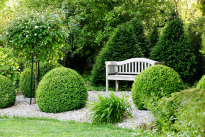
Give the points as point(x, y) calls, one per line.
point(121, 46)
point(9, 66)
point(7, 92)
point(110, 109)
point(25, 78)
point(61, 89)
point(201, 83)
point(182, 113)
point(174, 49)
point(156, 81)
point(195, 31)
point(39, 34)
point(154, 37)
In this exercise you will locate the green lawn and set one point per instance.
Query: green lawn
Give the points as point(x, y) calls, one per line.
point(19, 126)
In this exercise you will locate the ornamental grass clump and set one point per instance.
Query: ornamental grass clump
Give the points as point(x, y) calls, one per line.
point(61, 89)
point(110, 109)
point(201, 83)
point(7, 92)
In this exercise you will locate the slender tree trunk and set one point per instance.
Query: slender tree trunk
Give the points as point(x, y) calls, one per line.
point(36, 76)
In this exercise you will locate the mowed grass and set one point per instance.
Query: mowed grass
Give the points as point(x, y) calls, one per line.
point(20, 126)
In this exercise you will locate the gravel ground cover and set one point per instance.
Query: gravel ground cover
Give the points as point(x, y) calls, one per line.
point(22, 108)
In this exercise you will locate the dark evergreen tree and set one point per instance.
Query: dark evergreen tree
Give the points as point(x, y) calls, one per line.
point(154, 37)
point(121, 46)
point(174, 49)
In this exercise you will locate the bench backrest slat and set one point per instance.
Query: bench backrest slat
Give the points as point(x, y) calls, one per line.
point(130, 66)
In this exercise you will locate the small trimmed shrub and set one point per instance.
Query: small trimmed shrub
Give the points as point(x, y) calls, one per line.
point(183, 113)
point(7, 92)
point(155, 81)
point(61, 89)
point(25, 78)
point(201, 83)
point(122, 45)
point(174, 49)
point(110, 109)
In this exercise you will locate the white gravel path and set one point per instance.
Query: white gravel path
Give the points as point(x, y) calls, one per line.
point(23, 108)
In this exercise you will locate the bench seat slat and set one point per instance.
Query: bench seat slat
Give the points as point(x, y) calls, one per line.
point(122, 77)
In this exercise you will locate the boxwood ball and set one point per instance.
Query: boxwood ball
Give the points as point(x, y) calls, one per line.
point(155, 81)
point(61, 89)
point(7, 92)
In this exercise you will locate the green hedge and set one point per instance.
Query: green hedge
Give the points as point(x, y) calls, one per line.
point(174, 49)
point(61, 89)
point(7, 92)
point(25, 78)
point(156, 81)
point(122, 45)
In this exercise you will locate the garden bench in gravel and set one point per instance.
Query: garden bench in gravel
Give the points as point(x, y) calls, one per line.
point(126, 70)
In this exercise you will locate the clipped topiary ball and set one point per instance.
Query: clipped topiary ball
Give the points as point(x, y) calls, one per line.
point(156, 81)
point(201, 83)
point(7, 92)
point(25, 79)
point(61, 89)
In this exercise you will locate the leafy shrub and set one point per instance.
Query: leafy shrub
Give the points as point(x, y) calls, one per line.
point(121, 46)
point(201, 83)
point(7, 92)
point(110, 109)
point(25, 78)
point(183, 112)
point(155, 81)
point(8, 66)
point(61, 89)
point(174, 49)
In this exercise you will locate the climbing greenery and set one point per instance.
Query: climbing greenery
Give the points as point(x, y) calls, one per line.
point(25, 78)
point(110, 109)
point(124, 44)
point(156, 81)
point(61, 89)
point(175, 50)
point(7, 92)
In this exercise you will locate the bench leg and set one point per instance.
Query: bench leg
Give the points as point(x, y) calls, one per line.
point(107, 85)
point(116, 85)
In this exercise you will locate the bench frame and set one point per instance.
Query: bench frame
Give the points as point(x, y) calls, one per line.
point(126, 70)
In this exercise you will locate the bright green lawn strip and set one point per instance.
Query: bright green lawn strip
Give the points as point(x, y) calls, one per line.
point(19, 126)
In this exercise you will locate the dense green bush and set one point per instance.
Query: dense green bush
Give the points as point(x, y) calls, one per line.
point(61, 89)
point(174, 49)
point(110, 109)
point(9, 66)
point(183, 113)
point(7, 92)
point(201, 83)
point(121, 46)
point(25, 78)
point(156, 81)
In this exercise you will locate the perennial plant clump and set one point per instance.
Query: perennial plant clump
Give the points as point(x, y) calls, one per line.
point(110, 109)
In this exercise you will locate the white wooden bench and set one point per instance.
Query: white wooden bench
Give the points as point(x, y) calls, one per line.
point(126, 70)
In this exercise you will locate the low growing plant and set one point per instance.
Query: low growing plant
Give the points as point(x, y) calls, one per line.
point(110, 109)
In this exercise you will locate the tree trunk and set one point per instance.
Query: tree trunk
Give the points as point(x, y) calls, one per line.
point(36, 76)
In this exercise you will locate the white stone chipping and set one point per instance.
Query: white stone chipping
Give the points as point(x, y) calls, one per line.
point(22, 108)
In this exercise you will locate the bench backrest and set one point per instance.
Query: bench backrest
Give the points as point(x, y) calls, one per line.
point(129, 66)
